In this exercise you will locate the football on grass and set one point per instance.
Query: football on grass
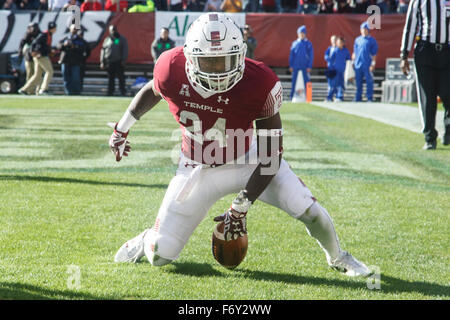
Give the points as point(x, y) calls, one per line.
point(228, 253)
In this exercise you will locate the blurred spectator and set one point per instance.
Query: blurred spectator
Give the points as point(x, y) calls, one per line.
point(25, 48)
point(9, 5)
point(252, 6)
point(288, 6)
point(56, 5)
point(149, 6)
point(113, 57)
point(43, 5)
point(86, 54)
point(29, 4)
point(175, 5)
point(72, 57)
point(325, 6)
point(364, 59)
point(269, 6)
point(250, 41)
point(111, 5)
point(194, 6)
point(338, 61)
point(161, 5)
point(343, 6)
point(163, 43)
point(213, 5)
point(69, 4)
point(310, 6)
point(91, 5)
point(327, 58)
point(383, 5)
point(40, 50)
point(361, 6)
point(231, 6)
point(301, 58)
point(402, 6)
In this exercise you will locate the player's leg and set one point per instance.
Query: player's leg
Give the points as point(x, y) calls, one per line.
point(293, 82)
point(359, 84)
point(340, 86)
point(187, 200)
point(287, 192)
point(444, 94)
point(369, 84)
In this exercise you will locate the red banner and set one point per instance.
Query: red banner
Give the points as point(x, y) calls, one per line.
point(138, 29)
point(274, 33)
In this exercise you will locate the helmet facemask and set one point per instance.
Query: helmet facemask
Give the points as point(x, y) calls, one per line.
point(216, 65)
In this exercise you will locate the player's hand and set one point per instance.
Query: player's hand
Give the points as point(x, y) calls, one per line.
point(404, 64)
point(235, 224)
point(118, 143)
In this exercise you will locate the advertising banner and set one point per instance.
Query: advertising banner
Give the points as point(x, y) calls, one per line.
point(178, 23)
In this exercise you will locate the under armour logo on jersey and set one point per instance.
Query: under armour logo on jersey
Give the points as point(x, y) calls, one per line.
point(187, 164)
point(184, 91)
point(219, 99)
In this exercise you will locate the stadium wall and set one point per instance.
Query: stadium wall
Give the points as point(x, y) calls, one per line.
point(274, 32)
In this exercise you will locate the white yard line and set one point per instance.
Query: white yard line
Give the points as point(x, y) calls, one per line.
point(401, 116)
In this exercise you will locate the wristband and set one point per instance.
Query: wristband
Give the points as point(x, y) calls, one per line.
point(269, 132)
point(126, 122)
point(241, 204)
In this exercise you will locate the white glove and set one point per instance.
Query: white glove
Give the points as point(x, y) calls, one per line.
point(118, 142)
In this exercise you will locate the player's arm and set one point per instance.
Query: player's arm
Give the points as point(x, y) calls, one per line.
point(144, 101)
point(270, 146)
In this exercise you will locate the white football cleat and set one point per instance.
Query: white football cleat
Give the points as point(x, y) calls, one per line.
point(132, 250)
point(348, 265)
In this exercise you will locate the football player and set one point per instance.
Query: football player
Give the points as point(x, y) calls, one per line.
point(216, 94)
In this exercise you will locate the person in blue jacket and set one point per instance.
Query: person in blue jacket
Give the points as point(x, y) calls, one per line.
point(301, 58)
point(364, 58)
point(338, 61)
point(327, 58)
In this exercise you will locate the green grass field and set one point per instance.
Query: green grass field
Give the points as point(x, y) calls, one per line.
point(66, 207)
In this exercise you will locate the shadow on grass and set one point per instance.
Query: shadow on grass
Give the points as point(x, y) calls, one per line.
point(24, 291)
point(82, 181)
point(389, 285)
point(194, 269)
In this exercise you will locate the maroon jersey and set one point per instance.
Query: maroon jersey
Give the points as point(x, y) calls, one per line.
point(216, 127)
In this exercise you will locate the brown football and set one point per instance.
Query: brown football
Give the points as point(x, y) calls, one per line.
point(228, 253)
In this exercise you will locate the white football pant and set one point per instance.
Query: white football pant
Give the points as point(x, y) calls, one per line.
point(195, 189)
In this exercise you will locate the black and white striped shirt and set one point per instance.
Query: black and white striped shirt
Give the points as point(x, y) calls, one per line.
point(427, 19)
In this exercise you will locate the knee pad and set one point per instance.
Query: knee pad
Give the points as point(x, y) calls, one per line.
point(151, 249)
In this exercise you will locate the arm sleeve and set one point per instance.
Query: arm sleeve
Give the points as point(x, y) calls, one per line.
point(409, 31)
point(291, 56)
point(273, 102)
point(102, 51)
point(161, 73)
point(311, 54)
point(374, 50)
point(125, 49)
point(327, 55)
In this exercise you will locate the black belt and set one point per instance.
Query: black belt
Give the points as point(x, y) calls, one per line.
point(435, 46)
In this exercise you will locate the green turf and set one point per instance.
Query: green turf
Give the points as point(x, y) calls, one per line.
point(65, 202)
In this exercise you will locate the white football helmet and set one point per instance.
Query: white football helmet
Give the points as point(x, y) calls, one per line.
point(215, 52)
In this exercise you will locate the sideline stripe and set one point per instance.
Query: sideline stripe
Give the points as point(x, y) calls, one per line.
point(396, 115)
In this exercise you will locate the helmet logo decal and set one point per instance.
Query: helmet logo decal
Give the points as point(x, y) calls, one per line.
point(215, 38)
point(213, 17)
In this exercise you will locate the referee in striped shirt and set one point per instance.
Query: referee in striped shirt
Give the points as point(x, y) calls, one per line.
point(428, 21)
